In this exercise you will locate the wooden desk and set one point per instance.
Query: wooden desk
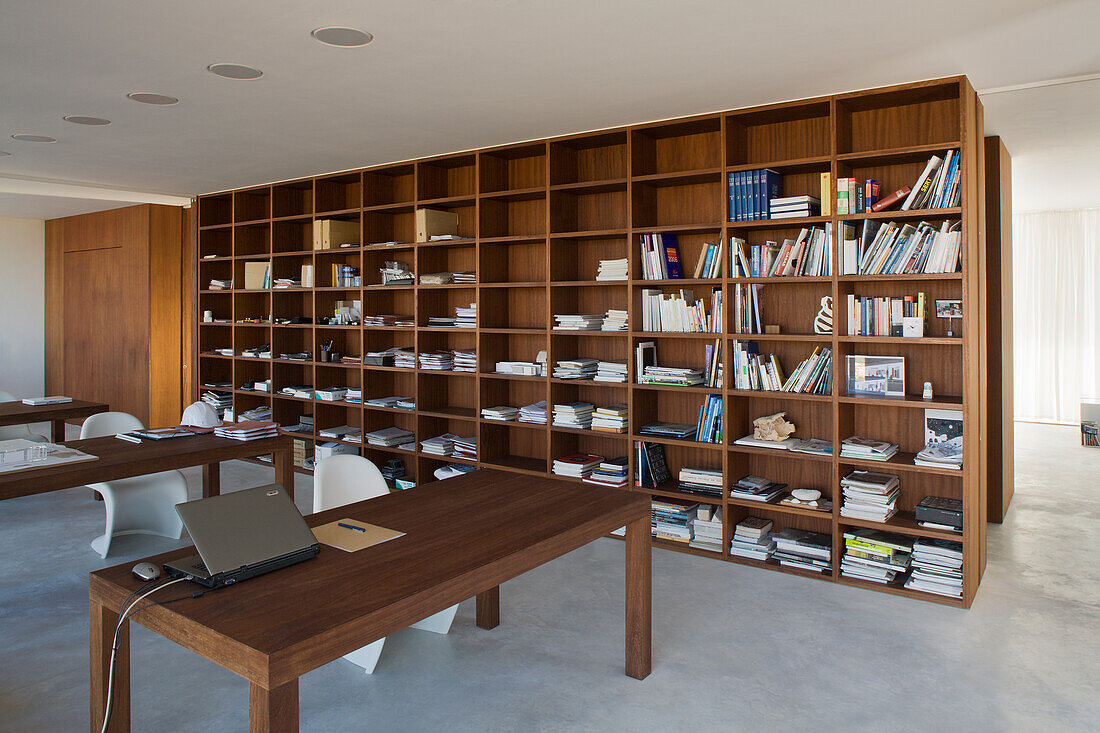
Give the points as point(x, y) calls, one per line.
point(464, 537)
point(16, 413)
point(122, 459)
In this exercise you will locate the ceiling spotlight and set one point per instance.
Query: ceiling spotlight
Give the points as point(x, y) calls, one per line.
point(235, 71)
point(3, 153)
point(151, 98)
point(83, 120)
point(339, 36)
point(21, 137)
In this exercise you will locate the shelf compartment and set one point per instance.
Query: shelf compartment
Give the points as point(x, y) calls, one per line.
point(656, 205)
point(252, 204)
point(392, 185)
point(512, 308)
point(442, 303)
point(934, 328)
point(690, 245)
point(566, 345)
point(589, 209)
point(518, 167)
point(392, 225)
point(251, 305)
point(508, 217)
point(251, 240)
point(338, 193)
point(811, 419)
point(588, 158)
point(793, 307)
point(822, 524)
point(446, 259)
point(497, 347)
point(892, 175)
point(510, 446)
point(510, 262)
point(218, 242)
point(292, 236)
point(443, 396)
point(918, 114)
point(667, 406)
point(579, 258)
point(781, 132)
point(216, 210)
point(292, 199)
point(605, 445)
point(586, 301)
point(447, 177)
point(672, 147)
point(939, 364)
point(513, 393)
point(779, 468)
point(344, 342)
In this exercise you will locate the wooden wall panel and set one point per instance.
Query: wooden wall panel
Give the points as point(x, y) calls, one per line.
point(165, 314)
point(998, 270)
point(54, 299)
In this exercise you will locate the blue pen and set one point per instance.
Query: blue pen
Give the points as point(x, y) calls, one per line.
point(350, 526)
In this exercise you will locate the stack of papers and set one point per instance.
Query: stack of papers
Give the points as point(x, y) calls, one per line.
point(436, 278)
point(525, 368)
point(406, 403)
point(869, 495)
point(451, 470)
point(796, 548)
point(331, 394)
point(940, 455)
point(464, 361)
point(535, 413)
point(261, 413)
point(501, 413)
point(610, 371)
point(248, 430)
point(465, 448)
point(614, 321)
point(404, 358)
point(440, 445)
point(391, 437)
point(441, 322)
point(341, 432)
point(387, 320)
point(463, 278)
point(867, 449)
point(436, 360)
point(573, 415)
point(578, 323)
point(466, 317)
point(680, 431)
point(383, 401)
point(937, 567)
point(755, 488)
point(576, 369)
point(354, 395)
point(611, 270)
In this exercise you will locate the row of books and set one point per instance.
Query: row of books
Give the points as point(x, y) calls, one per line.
point(343, 276)
point(709, 424)
point(751, 193)
point(647, 371)
point(901, 249)
point(755, 371)
point(810, 254)
point(746, 309)
point(681, 312)
point(660, 257)
point(937, 186)
point(886, 316)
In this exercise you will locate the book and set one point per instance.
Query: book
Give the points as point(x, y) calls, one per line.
point(891, 199)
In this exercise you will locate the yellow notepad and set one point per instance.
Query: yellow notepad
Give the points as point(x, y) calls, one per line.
point(350, 540)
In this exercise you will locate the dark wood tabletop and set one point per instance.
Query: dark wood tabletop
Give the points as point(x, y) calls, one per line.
point(463, 537)
point(122, 459)
point(17, 413)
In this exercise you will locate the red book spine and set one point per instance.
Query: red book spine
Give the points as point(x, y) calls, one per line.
point(892, 199)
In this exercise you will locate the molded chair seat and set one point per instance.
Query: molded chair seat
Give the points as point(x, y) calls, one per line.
point(11, 432)
point(137, 505)
point(345, 479)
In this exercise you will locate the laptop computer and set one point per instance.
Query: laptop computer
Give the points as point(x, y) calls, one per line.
point(242, 535)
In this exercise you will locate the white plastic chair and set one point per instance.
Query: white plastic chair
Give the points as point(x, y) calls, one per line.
point(345, 479)
point(138, 505)
point(10, 432)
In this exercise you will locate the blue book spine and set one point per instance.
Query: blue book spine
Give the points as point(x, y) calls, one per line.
point(757, 197)
point(732, 205)
point(773, 189)
point(746, 212)
point(739, 194)
point(671, 252)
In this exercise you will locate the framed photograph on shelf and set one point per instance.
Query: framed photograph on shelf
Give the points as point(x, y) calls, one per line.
point(875, 376)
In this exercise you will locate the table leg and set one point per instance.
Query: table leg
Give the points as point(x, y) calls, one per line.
point(488, 608)
point(284, 469)
point(58, 431)
point(638, 598)
point(101, 635)
point(211, 480)
point(273, 711)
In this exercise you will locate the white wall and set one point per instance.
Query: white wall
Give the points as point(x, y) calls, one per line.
point(22, 306)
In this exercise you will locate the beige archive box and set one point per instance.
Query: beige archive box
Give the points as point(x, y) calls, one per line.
point(331, 233)
point(256, 275)
point(435, 222)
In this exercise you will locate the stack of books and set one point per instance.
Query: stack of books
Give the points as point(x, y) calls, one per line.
point(535, 413)
point(576, 369)
point(465, 448)
point(672, 519)
point(577, 465)
point(342, 432)
point(578, 322)
point(709, 427)
point(803, 550)
point(866, 449)
point(610, 371)
point(610, 419)
point(394, 437)
point(248, 430)
point(756, 488)
point(406, 403)
point(436, 360)
point(404, 358)
point(390, 402)
point(752, 539)
point(464, 278)
point(330, 394)
point(466, 317)
point(441, 322)
point(611, 472)
point(464, 361)
point(500, 413)
point(869, 495)
point(874, 556)
point(573, 415)
point(940, 455)
point(392, 470)
point(220, 284)
point(706, 529)
point(260, 414)
point(701, 481)
point(354, 396)
point(671, 376)
point(286, 283)
point(611, 270)
point(218, 401)
point(396, 273)
point(937, 567)
point(793, 207)
point(615, 320)
point(440, 445)
point(674, 430)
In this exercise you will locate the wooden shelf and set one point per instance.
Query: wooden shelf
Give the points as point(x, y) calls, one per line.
point(537, 218)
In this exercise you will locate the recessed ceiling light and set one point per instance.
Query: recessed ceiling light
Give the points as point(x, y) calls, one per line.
point(152, 98)
point(4, 152)
point(22, 137)
point(235, 71)
point(340, 36)
point(84, 120)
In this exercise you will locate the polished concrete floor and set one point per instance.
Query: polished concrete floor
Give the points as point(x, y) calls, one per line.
point(735, 648)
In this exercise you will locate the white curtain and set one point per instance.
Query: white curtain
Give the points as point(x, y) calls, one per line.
point(1055, 268)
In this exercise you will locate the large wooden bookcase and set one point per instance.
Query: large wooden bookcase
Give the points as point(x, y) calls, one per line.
point(536, 218)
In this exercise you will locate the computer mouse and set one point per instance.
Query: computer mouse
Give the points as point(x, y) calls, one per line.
point(146, 571)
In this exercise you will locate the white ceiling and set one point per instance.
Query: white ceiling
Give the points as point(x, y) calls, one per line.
point(447, 75)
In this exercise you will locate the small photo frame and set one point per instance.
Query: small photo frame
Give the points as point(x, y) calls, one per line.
point(949, 309)
point(875, 376)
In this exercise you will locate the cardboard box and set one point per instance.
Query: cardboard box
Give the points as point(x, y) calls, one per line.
point(435, 222)
point(256, 275)
point(331, 233)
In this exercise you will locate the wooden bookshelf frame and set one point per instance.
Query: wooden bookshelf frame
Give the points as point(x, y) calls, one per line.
point(537, 216)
